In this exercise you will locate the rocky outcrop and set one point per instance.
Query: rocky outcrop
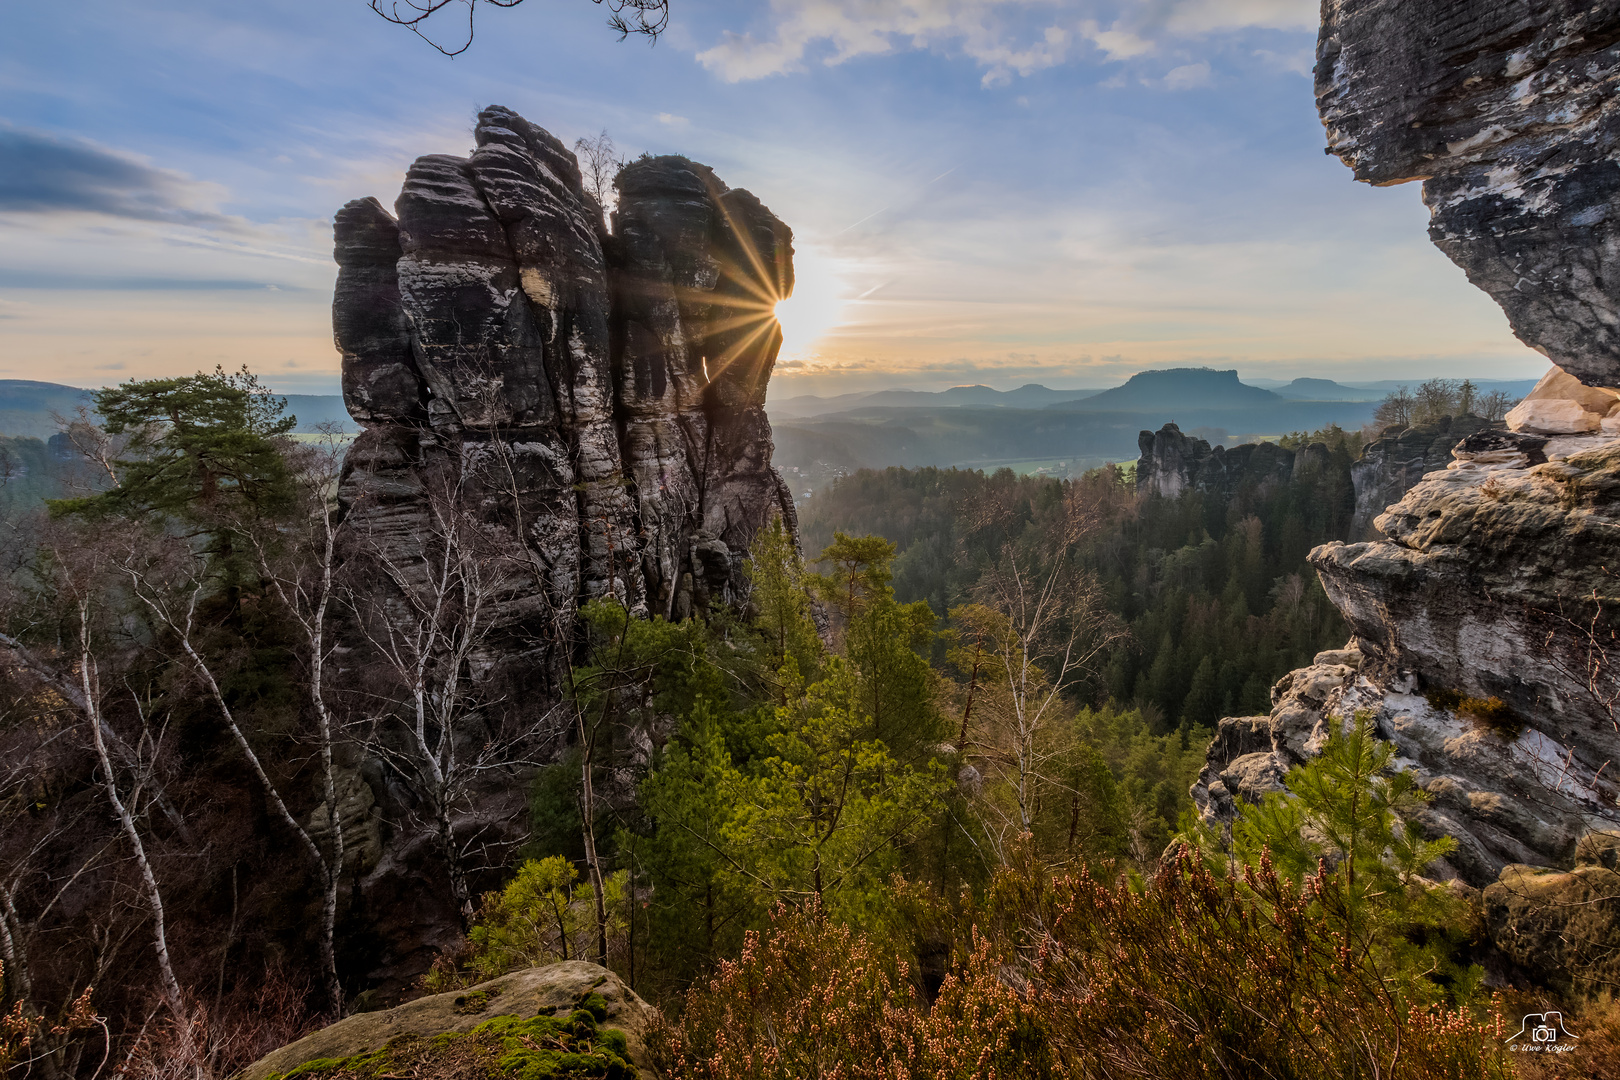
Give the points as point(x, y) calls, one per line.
point(1563, 926)
point(1523, 796)
point(555, 988)
point(597, 399)
point(1560, 404)
point(1492, 584)
point(1507, 111)
point(553, 413)
point(1486, 641)
point(1172, 463)
point(1490, 581)
point(1392, 463)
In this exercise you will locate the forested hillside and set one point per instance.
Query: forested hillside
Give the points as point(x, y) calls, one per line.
point(852, 798)
point(1215, 592)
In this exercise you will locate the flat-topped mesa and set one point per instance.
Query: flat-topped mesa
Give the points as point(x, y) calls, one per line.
point(1507, 111)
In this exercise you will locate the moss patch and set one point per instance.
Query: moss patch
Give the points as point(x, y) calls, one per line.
point(502, 1048)
point(476, 1001)
point(1493, 714)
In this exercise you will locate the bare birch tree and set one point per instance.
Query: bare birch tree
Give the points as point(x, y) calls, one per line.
point(430, 613)
point(1039, 622)
point(76, 678)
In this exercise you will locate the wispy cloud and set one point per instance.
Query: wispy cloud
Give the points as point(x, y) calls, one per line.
point(1005, 37)
point(13, 278)
point(1187, 76)
point(41, 173)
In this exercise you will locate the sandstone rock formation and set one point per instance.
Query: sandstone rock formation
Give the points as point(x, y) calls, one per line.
point(1490, 580)
point(1560, 404)
point(1392, 463)
point(1507, 111)
point(521, 993)
point(1172, 463)
point(1564, 924)
point(1486, 644)
point(553, 412)
point(1524, 798)
point(597, 399)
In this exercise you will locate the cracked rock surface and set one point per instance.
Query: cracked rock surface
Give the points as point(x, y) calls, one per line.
point(596, 399)
point(1507, 111)
point(553, 412)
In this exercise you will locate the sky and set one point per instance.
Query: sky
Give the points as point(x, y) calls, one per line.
point(981, 191)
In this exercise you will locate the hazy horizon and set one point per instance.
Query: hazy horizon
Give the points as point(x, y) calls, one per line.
point(982, 191)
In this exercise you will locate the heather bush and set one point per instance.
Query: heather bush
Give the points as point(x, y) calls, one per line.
point(1192, 975)
point(812, 998)
point(1185, 974)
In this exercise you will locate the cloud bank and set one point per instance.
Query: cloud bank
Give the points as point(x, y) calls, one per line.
point(1005, 37)
point(50, 174)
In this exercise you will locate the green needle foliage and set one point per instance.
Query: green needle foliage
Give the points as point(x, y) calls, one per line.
point(203, 455)
point(199, 449)
point(821, 821)
point(1347, 811)
point(1346, 806)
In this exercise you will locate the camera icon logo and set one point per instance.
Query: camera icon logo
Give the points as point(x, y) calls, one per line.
point(1543, 1030)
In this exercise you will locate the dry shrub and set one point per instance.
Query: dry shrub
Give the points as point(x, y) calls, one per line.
point(1193, 976)
point(1183, 976)
point(812, 998)
point(1493, 714)
point(213, 1041)
point(27, 1039)
point(1596, 1053)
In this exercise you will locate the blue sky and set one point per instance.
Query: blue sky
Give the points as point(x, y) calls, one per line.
point(999, 191)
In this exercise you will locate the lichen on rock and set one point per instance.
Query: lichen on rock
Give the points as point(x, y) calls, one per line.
point(571, 1019)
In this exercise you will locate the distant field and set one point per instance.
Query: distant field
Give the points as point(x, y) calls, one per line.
point(1070, 466)
point(341, 438)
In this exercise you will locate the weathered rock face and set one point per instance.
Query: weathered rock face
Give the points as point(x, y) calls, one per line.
point(1391, 464)
point(598, 398)
point(1566, 925)
point(1490, 581)
point(1507, 111)
point(557, 987)
point(1172, 463)
point(1493, 577)
point(1508, 799)
point(553, 413)
point(1560, 404)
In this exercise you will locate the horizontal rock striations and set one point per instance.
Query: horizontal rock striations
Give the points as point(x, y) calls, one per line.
point(1172, 463)
point(1507, 110)
point(1392, 463)
point(1491, 580)
point(552, 413)
point(596, 400)
point(1486, 645)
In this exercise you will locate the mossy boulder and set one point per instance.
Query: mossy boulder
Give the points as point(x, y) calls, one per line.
point(573, 1020)
point(1562, 929)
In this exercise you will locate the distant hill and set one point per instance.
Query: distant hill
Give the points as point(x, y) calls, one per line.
point(1176, 389)
point(1029, 396)
point(26, 408)
point(988, 438)
point(1326, 390)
